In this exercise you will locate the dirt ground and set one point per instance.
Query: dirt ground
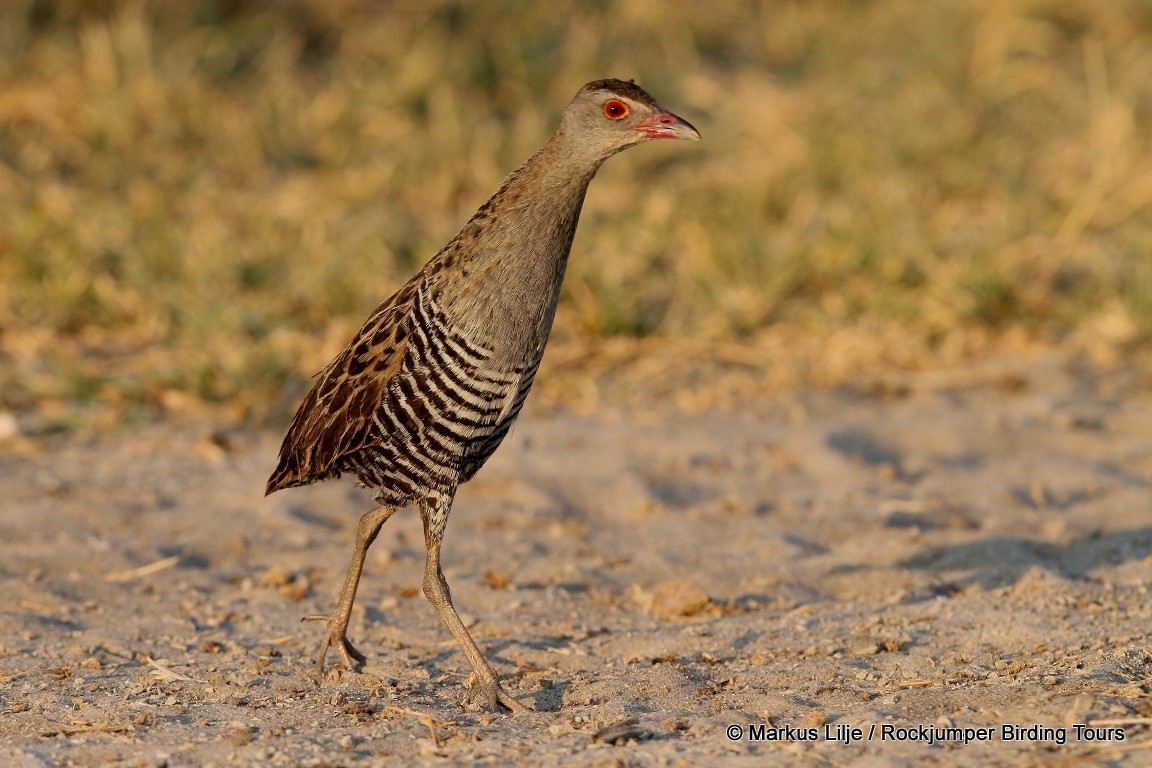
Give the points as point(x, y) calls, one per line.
point(918, 558)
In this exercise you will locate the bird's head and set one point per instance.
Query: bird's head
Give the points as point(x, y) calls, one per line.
point(611, 115)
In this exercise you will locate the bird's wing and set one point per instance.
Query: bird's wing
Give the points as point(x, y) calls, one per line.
point(336, 417)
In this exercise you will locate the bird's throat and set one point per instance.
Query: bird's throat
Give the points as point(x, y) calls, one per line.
point(514, 251)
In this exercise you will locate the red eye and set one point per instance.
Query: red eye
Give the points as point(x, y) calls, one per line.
point(615, 110)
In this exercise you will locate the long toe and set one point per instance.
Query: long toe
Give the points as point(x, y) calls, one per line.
point(512, 705)
point(496, 698)
point(352, 657)
point(335, 638)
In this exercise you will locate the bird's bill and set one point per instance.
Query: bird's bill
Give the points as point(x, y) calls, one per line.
point(665, 125)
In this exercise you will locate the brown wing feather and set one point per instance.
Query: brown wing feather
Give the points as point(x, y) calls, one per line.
point(335, 418)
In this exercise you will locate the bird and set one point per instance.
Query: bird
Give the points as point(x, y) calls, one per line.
point(430, 385)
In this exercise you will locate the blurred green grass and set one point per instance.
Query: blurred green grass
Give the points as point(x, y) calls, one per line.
point(202, 200)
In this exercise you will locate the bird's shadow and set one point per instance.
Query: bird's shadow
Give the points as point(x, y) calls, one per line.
point(1003, 561)
point(548, 698)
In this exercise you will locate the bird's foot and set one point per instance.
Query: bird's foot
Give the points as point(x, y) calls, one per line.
point(495, 698)
point(335, 637)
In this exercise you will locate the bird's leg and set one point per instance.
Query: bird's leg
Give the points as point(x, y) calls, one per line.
point(337, 633)
point(436, 590)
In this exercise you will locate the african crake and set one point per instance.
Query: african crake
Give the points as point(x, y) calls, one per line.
point(430, 385)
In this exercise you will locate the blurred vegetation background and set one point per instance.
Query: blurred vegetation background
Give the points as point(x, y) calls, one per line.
point(200, 201)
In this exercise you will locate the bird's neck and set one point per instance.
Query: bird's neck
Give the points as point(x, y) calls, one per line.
point(514, 250)
point(550, 185)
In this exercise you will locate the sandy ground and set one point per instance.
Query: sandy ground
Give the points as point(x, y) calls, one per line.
point(950, 550)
